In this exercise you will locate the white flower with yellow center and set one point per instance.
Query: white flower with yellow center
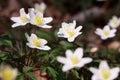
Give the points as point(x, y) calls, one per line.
point(22, 20)
point(104, 72)
point(8, 73)
point(114, 22)
point(106, 32)
point(36, 18)
point(69, 31)
point(40, 7)
point(73, 60)
point(35, 42)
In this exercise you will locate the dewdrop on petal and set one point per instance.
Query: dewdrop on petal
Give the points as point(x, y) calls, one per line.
point(8, 73)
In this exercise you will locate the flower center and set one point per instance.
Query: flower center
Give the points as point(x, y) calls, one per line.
point(7, 74)
point(38, 20)
point(105, 73)
point(70, 32)
point(39, 9)
point(36, 42)
point(74, 60)
point(106, 32)
point(115, 21)
point(23, 18)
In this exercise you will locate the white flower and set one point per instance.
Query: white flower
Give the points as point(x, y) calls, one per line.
point(35, 42)
point(40, 7)
point(104, 72)
point(22, 20)
point(8, 73)
point(106, 32)
point(114, 22)
point(36, 18)
point(69, 31)
point(73, 60)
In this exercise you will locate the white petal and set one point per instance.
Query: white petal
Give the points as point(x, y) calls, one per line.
point(31, 13)
point(71, 39)
point(104, 37)
point(44, 41)
point(107, 28)
point(114, 73)
point(22, 11)
point(16, 19)
point(73, 25)
point(47, 20)
point(15, 71)
point(62, 60)
point(30, 45)
point(27, 36)
point(69, 53)
point(66, 68)
point(15, 25)
point(113, 31)
point(64, 25)
point(45, 26)
point(86, 60)
point(98, 31)
point(44, 48)
point(79, 52)
point(93, 70)
point(43, 5)
point(78, 28)
point(94, 77)
point(103, 64)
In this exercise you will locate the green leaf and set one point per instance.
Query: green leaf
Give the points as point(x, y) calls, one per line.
point(20, 77)
point(31, 75)
point(27, 69)
point(66, 44)
point(52, 72)
point(45, 35)
point(76, 74)
point(6, 43)
point(43, 69)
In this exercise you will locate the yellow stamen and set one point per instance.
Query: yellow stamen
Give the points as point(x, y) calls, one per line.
point(23, 18)
point(115, 21)
point(105, 32)
point(74, 59)
point(38, 20)
point(70, 32)
point(39, 9)
point(105, 73)
point(7, 74)
point(36, 42)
